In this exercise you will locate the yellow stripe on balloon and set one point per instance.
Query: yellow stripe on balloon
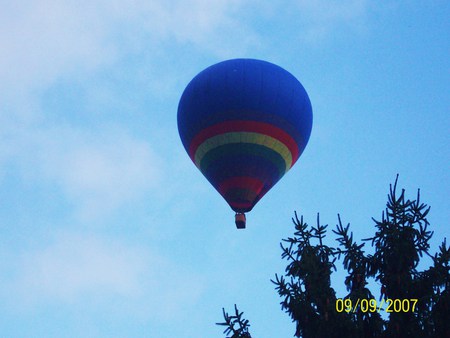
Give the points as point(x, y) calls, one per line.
point(243, 137)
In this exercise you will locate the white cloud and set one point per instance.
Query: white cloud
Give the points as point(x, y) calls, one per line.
point(75, 265)
point(44, 40)
point(320, 18)
point(97, 171)
point(91, 272)
point(204, 23)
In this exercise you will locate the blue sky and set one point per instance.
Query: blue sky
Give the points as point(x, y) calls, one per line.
point(106, 227)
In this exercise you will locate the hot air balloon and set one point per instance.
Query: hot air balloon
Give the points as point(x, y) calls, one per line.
point(244, 123)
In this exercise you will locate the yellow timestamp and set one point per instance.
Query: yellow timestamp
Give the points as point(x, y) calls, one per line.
point(371, 305)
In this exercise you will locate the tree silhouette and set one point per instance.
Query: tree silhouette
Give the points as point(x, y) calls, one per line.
point(235, 324)
point(417, 303)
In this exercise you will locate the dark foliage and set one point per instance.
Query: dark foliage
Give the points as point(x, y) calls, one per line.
point(236, 325)
point(400, 241)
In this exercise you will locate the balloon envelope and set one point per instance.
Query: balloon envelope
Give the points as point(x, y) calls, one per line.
point(244, 123)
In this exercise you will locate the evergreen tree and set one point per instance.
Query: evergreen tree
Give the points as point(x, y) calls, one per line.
point(235, 325)
point(400, 241)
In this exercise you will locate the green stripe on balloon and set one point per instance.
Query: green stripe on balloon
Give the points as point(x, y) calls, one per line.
point(243, 137)
point(228, 151)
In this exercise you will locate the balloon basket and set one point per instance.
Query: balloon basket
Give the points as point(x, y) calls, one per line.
point(240, 220)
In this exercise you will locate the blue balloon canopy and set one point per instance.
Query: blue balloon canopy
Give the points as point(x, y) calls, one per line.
point(244, 123)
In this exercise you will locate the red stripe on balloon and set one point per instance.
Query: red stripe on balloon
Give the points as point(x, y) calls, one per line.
point(240, 182)
point(252, 185)
point(245, 126)
point(241, 206)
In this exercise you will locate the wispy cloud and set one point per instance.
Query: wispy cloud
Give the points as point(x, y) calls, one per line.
point(320, 18)
point(74, 265)
point(96, 171)
point(90, 271)
point(45, 40)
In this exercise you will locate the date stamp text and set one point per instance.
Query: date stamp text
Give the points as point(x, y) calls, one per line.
point(371, 305)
